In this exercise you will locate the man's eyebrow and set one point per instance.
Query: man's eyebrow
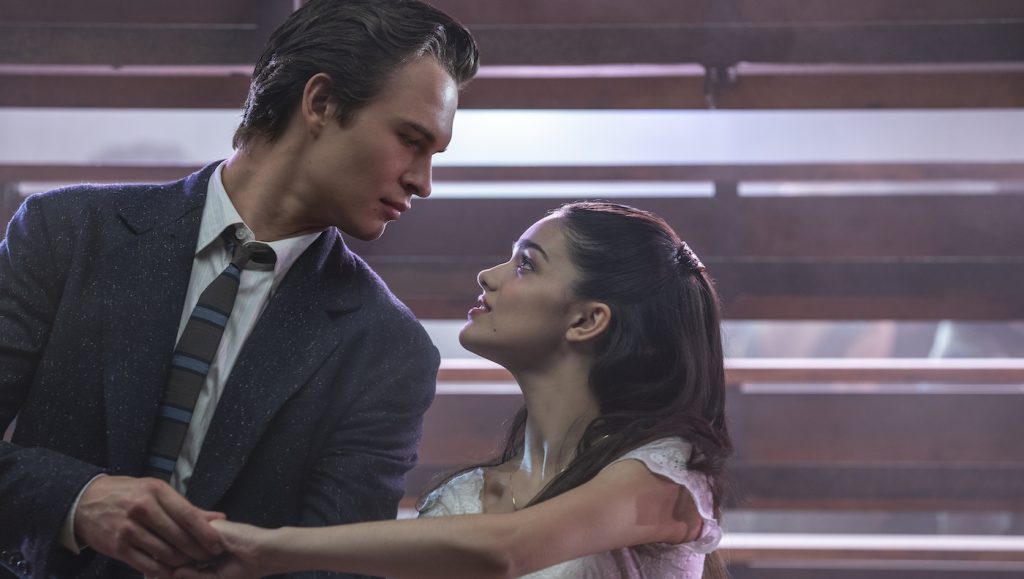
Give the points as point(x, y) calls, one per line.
point(527, 244)
point(425, 132)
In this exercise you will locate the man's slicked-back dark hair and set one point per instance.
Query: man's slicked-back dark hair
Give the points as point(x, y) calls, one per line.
point(359, 44)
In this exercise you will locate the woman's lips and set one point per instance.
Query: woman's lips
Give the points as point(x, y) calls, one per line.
point(481, 307)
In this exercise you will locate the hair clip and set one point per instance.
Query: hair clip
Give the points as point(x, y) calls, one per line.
point(686, 255)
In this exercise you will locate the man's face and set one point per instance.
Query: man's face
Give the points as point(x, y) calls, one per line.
point(364, 174)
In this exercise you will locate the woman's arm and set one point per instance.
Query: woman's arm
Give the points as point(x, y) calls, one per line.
point(625, 505)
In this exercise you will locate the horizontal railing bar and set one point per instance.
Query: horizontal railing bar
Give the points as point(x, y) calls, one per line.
point(484, 374)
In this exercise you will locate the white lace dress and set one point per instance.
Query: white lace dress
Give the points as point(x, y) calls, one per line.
point(665, 457)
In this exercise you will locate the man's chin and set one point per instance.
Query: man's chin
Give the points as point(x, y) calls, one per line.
point(367, 234)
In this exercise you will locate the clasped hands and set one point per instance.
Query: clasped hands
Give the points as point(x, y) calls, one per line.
point(148, 525)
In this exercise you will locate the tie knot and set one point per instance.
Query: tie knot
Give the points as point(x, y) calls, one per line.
point(242, 252)
point(255, 251)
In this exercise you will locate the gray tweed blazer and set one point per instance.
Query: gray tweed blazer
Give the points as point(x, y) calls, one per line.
point(319, 420)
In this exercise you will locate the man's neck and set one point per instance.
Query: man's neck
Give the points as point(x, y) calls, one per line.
point(262, 186)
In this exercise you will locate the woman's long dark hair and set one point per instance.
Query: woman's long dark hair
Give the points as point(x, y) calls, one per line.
point(659, 369)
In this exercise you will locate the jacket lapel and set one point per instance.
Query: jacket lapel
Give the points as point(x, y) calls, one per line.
point(151, 271)
point(300, 327)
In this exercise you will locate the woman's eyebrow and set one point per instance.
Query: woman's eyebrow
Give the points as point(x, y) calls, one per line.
point(527, 244)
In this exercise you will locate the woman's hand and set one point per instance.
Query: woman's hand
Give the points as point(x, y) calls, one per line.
point(244, 546)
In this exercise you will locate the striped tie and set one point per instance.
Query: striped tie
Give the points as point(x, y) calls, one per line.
point(196, 349)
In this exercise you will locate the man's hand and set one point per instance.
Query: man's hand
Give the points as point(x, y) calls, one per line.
point(145, 523)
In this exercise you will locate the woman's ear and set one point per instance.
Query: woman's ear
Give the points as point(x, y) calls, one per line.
point(318, 103)
point(590, 320)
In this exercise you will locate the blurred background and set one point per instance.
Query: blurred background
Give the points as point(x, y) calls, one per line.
point(851, 173)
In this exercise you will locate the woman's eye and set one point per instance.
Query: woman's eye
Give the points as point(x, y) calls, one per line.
point(524, 264)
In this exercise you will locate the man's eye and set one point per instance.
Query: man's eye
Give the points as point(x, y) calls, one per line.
point(410, 141)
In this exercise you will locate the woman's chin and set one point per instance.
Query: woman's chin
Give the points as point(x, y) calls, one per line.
point(469, 338)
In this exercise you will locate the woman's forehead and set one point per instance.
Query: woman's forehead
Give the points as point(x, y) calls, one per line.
point(549, 227)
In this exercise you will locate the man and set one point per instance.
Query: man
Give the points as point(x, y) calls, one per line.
point(307, 408)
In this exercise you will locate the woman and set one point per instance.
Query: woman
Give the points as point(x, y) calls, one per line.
point(610, 326)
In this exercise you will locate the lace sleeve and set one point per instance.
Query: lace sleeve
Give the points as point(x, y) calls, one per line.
point(459, 496)
point(432, 505)
point(667, 457)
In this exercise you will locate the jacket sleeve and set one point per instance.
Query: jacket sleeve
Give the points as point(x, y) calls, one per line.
point(360, 471)
point(37, 486)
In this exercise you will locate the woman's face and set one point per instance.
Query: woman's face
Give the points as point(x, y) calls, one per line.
point(525, 308)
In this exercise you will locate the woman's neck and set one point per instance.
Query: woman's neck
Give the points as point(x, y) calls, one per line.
point(560, 406)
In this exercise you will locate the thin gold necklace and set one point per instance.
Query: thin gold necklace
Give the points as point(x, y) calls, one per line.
point(512, 492)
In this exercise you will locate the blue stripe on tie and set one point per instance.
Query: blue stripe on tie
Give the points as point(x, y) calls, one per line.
point(233, 271)
point(190, 363)
point(161, 463)
point(175, 414)
point(211, 315)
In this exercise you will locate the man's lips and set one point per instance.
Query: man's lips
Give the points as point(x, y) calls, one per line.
point(394, 208)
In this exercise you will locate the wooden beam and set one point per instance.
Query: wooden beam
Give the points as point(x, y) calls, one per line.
point(136, 12)
point(926, 257)
point(859, 486)
point(856, 229)
point(541, 12)
point(874, 91)
point(473, 12)
point(656, 42)
point(876, 426)
point(226, 87)
point(201, 89)
point(776, 289)
point(726, 45)
point(881, 424)
point(111, 45)
point(790, 89)
point(99, 173)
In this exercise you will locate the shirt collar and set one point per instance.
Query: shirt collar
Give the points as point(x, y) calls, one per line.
point(219, 213)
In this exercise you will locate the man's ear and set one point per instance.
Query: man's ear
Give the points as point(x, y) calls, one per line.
point(590, 320)
point(318, 103)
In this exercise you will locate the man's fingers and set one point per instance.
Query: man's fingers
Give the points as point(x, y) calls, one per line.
point(146, 564)
point(198, 534)
point(149, 510)
point(190, 573)
point(144, 540)
point(120, 515)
